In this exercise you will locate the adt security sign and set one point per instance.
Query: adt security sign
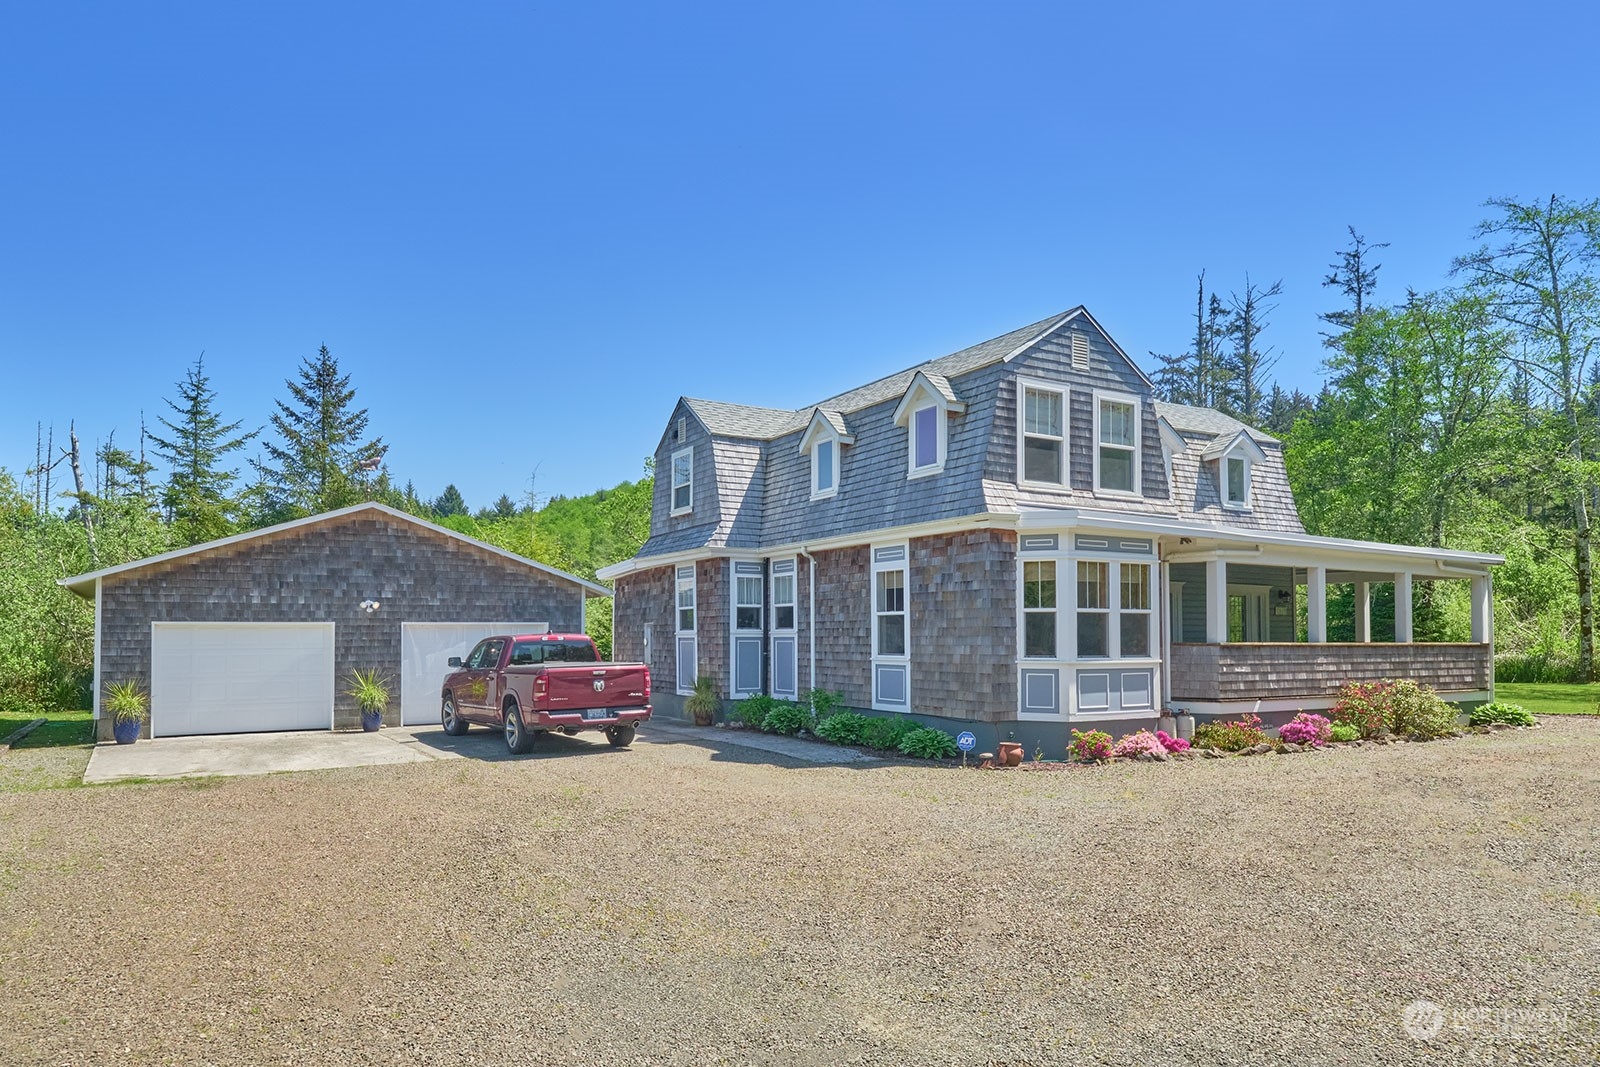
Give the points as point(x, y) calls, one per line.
point(965, 741)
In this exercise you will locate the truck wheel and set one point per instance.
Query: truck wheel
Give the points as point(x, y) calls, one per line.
point(518, 740)
point(621, 735)
point(453, 724)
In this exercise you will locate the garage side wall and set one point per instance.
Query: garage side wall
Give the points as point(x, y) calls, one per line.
point(322, 573)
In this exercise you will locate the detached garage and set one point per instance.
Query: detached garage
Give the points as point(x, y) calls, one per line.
point(260, 632)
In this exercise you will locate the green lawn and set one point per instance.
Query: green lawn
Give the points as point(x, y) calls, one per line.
point(62, 728)
point(1544, 699)
point(52, 757)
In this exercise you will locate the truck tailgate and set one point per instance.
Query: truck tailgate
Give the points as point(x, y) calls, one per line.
point(594, 685)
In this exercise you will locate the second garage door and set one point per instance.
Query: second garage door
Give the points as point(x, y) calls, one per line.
point(227, 678)
point(425, 651)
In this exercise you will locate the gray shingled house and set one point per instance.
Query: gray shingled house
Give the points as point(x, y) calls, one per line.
point(1017, 538)
point(261, 631)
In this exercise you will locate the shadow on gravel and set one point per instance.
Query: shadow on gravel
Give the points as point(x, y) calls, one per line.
point(489, 746)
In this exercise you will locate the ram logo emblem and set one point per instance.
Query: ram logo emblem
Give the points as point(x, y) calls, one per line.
point(599, 685)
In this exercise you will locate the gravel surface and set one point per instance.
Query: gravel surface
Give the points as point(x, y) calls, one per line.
point(677, 904)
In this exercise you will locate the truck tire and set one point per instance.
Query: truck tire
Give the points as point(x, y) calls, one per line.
point(518, 740)
point(621, 735)
point(453, 724)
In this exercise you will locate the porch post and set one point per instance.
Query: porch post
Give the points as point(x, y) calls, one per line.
point(1216, 601)
point(1482, 603)
point(1317, 605)
point(1364, 611)
point(1402, 608)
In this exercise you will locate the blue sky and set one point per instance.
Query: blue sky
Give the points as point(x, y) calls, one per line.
point(524, 230)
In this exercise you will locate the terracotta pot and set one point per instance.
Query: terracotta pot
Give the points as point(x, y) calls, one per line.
point(1011, 753)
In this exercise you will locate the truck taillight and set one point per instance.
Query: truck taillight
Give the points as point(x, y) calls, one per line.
point(538, 688)
point(647, 683)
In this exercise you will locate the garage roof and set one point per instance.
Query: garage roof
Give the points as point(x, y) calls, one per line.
point(83, 584)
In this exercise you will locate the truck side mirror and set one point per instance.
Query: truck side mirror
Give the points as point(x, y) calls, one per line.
point(453, 661)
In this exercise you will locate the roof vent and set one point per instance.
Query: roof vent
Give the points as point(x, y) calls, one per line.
point(682, 431)
point(1080, 352)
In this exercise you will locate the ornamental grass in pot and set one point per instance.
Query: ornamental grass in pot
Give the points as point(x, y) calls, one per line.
point(703, 705)
point(371, 694)
point(129, 708)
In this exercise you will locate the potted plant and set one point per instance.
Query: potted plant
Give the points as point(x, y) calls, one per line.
point(129, 708)
point(372, 694)
point(703, 705)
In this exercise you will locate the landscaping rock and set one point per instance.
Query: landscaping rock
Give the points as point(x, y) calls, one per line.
point(1290, 746)
point(1499, 726)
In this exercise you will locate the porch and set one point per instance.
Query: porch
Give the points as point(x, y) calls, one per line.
point(1271, 672)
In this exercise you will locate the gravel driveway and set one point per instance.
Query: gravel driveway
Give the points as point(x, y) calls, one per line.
point(675, 905)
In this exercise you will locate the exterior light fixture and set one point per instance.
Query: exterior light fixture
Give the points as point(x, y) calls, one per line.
point(370, 606)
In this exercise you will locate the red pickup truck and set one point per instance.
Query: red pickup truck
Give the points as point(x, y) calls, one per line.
point(530, 684)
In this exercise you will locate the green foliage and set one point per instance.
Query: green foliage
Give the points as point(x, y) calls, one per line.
point(703, 704)
point(1417, 712)
point(821, 702)
point(1088, 746)
point(1343, 731)
point(886, 734)
point(786, 717)
point(317, 463)
point(369, 690)
point(928, 743)
point(449, 503)
point(1513, 714)
point(752, 711)
point(1230, 735)
point(844, 728)
point(199, 496)
point(1364, 707)
point(126, 702)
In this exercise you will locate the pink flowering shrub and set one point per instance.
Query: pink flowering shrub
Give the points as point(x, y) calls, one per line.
point(1362, 705)
point(1089, 745)
point(1307, 728)
point(1170, 743)
point(1136, 744)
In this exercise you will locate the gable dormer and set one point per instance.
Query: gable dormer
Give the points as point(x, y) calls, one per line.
point(685, 482)
point(1234, 457)
point(925, 411)
point(822, 442)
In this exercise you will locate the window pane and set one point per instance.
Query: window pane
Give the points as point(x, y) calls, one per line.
point(1039, 634)
point(748, 619)
point(891, 635)
point(783, 617)
point(1235, 481)
point(1116, 423)
point(1116, 469)
point(681, 468)
point(1136, 634)
point(1092, 582)
point(783, 589)
point(750, 592)
point(824, 462)
point(1042, 414)
point(686, 618)
point(1136, 586)
point(1092, 633)
point(680, 497)
point(1039, 584)
point(1041, 460)
point(925, 423)
point(1235, 618)
point(891, 590)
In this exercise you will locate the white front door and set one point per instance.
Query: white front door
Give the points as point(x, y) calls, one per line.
point(227, 678)
point(425, 651)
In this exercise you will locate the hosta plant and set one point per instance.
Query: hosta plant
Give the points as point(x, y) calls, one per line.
point(1087, 746)
point(786, 717)
point(928, 743)
point(845, 728)
point(1307, 728)
point(1512, 714)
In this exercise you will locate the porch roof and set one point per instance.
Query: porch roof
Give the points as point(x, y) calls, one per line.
point(1353, 560)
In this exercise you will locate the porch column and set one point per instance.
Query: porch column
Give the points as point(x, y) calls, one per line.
point(1317, 605)
point(1482, 610)
point(1216, 601)
point(1402, 608)
point(1364, 611)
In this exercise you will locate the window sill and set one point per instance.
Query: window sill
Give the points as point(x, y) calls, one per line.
point(925, 472)
point(828, 495)
point(1119, 494)
point(678, 513)
point(1059, 487)
point(1242, 509)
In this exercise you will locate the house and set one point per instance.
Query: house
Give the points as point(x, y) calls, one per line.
point(261, 631)
point(1017, 539)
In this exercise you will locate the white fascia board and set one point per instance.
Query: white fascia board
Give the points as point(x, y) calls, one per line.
point(920, 386)
point(1041, 519)
point(1223, 447)
point(83, 584)
point(821, 426)
point(1083, 311)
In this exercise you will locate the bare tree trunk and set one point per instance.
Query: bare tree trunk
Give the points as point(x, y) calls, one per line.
point(83, 497)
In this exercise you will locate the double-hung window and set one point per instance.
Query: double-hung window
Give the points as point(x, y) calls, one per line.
point(1039, 608)
point(1094, 609)
point(890, 609)
point(685, 641)
point(891, 644)
point(1116, 458)
point(783, 601)
point(1133, 623)
point(747, 604)
point(686, 603)
point(1114, 616)
point(682, 481)
point(1043, 435)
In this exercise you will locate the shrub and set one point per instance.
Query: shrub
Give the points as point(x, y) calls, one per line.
point(1343, 731)
point(887, 733)
point(752, 711)
point(1136, 744)
point(1087, 746)
point(786, 717)
point(927, 743)
point(821, 702)
point(1231, 735)
point(1170, 743)
point(1416, 711)
point(1542, 667)
point(703, 704)
point(1515, 714)
point(844, 728)
point(126, 702)
point(1363, 705)
point(1307, 728)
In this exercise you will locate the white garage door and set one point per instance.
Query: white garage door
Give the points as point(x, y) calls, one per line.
point(425, 651)
point(227, 678)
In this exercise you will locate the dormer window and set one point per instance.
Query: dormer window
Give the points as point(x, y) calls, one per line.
point(1236, 482)
point(822, 442)
point(1116, 434)
point(1236, 458)
point(1044, 434)
point(823, 481)
point(925, 412)
point(683, 481)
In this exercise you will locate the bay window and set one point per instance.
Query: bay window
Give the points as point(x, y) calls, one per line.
point(1039, 608)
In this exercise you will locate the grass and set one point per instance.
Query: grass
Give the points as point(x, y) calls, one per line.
point(60, 728)
point(52, 757)
point(1543, 698)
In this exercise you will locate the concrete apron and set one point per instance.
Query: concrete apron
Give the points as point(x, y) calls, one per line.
point(236, 754)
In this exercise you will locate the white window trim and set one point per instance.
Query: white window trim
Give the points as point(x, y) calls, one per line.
point(679, 584)
point(1113, 611)
point(1023, 611)
point(1222, 478)
point(1063, 391)
point(832, 441)
point(735, 632)
point(1101, 395)
point(672, 487)
point(792, 631)
point(941, 431)
point(903, 565)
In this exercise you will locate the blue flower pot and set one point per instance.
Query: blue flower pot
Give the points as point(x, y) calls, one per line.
point(126, 731)
point(371, 720)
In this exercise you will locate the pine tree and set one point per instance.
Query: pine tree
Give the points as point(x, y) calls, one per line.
point(199, 494)
point(320, 462)
point(449, 502)
point(1245, 392)
point(1356, 276)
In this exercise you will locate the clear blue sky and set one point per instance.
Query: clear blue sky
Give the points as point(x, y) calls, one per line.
point(525, 229)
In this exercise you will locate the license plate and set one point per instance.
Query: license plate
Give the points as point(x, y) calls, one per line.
point(597, 713)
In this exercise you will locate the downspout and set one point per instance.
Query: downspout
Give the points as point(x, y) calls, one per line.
point(811, 618)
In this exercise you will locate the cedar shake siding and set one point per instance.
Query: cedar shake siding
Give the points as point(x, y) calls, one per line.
point(844, 624)
point(648, 598)
point(963, 596)
point(320, 572)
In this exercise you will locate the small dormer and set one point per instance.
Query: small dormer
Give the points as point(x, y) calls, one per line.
point(925, 411)
point(1235, 458)
point(822, 441)
point(1172, 443)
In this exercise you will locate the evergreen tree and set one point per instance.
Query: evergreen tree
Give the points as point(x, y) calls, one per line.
point(199, 495)
point(1244, 392)
point(449, 502)
point(320, 462)
point(1355, 275)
